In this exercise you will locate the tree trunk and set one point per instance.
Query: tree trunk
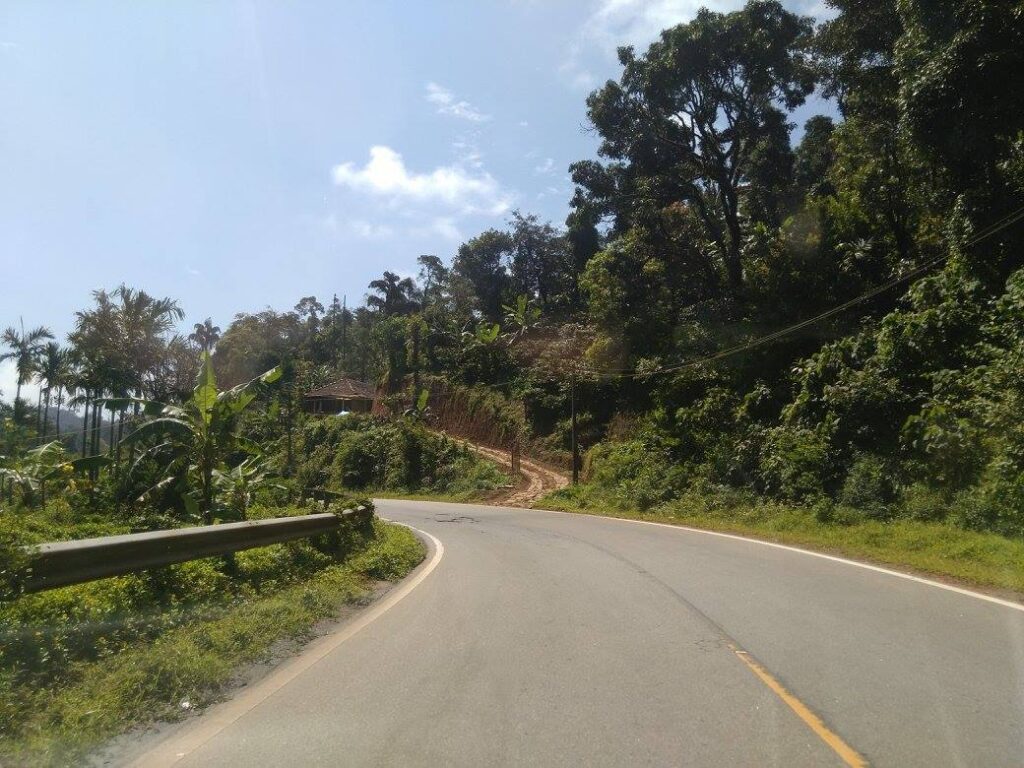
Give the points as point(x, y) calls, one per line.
point(39, 412)
point(415, 362)
point(733, 259)
point(85, 426)
point(46, 413)
point(289, 420)
point(60, 402)
point(97, 425)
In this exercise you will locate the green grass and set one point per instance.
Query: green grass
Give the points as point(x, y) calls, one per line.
point(195, 660)
point(977, 559)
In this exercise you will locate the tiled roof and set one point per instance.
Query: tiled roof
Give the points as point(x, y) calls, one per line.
point(345, 389)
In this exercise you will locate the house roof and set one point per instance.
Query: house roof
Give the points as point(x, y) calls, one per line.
point(345, 389)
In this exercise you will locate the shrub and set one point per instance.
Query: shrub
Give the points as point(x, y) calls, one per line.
point(359, 452)
point(869, 487)
point(637, 472)
point(922, 502)
point(795, 463)
point(997, 504)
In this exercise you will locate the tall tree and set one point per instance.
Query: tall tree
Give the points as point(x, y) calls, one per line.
point(961, 93)
point(392, 295)
point(694, 120)
point(540, 260)
point(53, 371)
point(205, 335)
point(480, 264)
point(433, 278)
point(24, 349)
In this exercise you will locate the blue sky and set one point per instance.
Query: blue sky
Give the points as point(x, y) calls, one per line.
point(235, 155)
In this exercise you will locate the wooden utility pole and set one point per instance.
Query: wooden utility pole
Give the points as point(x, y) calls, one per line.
point(575, 444)
point(344, 327)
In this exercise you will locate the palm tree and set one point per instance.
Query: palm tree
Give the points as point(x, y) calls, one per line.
point(396, 295)
point(205, 335)
point(67, 382)
point(143, 323)
point(121, 343)
point(24, 351)
point(54, 365)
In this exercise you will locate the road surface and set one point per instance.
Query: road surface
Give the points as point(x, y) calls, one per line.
point(542, 639)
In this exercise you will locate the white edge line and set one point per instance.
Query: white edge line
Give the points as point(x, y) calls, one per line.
point(219, 717)
point(811, 553)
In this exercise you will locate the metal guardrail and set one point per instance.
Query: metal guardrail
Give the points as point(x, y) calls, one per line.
point(72, 562)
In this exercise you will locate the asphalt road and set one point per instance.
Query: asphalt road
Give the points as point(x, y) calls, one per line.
point(544, 639)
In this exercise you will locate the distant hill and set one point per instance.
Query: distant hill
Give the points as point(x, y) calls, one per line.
point(70, 427)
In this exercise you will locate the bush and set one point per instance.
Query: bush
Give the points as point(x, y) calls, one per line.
point(360, 452)
point(795, 463)
point(997, 504)
point(870, 487)
point(638, 472)
point(922, 502)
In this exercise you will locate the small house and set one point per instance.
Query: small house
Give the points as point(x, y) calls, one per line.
point(342, 395)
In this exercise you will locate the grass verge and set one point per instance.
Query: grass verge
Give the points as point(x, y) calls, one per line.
point(194, 661)
point(984, 560)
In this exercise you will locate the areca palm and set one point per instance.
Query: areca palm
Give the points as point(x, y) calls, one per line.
point(53, 370)
point(205, 334)
point(99, 345)
point(24, 349)
point(143, 323)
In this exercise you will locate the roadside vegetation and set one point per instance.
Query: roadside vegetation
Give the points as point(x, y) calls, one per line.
point(377, 456)
point(81, 664)
point(940, 550)
point(813, 335)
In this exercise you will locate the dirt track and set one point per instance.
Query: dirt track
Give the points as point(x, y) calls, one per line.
point(540, 480)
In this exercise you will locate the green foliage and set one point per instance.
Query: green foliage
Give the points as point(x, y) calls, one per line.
point(81, 664)
point(361, 452)
point(195, 441)
point(796, 463)
point(986, 559)
point(869, 486)
point(638, 472)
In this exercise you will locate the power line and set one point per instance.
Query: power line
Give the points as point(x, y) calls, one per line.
point(985, 233)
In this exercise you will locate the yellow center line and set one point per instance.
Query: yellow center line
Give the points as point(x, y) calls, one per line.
point(846, 753)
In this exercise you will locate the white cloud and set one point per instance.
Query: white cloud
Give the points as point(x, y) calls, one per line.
point(385, 175)
point(369, 231)
point(468, 153)
point(443, 226)
point(524, 124)
point(447, 104)
point(446, 228)
point(638, 23)
point(546, 167)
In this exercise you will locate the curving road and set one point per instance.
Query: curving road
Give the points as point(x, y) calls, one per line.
point(541, 639)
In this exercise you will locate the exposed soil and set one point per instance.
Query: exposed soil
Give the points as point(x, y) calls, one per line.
point(537, 479)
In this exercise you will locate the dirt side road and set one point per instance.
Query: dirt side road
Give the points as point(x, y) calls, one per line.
point(539, 480)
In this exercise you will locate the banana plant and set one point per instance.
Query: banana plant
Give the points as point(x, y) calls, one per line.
point(419, 411)
point(484, 334)
point(194, 441)
point(235, 486)
point(523, 315)
point(32, 472)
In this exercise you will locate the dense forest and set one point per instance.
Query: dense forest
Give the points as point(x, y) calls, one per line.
point(834, 322)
